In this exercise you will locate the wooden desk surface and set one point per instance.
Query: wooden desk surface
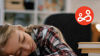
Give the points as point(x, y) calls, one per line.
point(88, 42)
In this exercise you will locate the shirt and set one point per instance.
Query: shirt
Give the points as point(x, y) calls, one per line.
point(48, 43)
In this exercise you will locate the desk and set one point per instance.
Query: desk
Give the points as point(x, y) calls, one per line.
point(90, 47)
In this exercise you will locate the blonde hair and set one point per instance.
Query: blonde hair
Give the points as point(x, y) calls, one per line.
point(5, 31)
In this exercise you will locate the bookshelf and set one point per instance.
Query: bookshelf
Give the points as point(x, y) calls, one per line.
point(35, 15)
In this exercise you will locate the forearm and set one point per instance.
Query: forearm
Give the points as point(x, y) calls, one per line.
point(59, 32)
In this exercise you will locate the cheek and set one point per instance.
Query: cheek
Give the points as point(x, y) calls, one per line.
point(30, 41)
point(28, 37)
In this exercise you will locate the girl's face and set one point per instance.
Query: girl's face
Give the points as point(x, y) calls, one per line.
point(19, 44)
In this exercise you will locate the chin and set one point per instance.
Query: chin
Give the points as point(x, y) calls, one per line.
point(35, 47)
point(32, 54)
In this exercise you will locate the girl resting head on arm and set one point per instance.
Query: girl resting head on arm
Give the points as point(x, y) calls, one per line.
point(16, 40)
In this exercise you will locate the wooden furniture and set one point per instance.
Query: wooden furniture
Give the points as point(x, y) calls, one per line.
point(95, 33)
point(14, 4)
point(92, 49)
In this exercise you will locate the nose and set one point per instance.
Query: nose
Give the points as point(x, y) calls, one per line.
point(26, 47)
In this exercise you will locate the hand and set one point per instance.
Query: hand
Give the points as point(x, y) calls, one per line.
point(31, 27)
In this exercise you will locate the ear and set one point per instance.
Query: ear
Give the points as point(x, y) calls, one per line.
point(20, 27)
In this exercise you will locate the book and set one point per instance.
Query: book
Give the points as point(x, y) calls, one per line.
point(89, 45)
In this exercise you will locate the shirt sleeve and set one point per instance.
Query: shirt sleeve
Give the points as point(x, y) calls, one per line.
point(53, 44)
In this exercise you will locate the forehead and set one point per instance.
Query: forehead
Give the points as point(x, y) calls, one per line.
point(12, 43)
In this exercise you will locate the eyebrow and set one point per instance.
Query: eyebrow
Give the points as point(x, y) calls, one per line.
point(19, 41)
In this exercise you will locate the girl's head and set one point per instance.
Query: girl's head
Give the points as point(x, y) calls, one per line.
point(15, 41)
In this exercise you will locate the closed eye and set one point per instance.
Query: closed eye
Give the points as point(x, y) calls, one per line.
point(22, 42)
point(23, 39)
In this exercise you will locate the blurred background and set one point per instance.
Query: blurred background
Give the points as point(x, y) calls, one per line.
point(35, 11)
point(26, 12)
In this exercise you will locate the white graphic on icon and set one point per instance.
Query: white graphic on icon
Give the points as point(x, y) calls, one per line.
point(80, 18)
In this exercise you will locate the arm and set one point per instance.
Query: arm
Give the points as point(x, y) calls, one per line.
point(61, 37)
point(55, 42)
point(56, 45)
point(59, 32)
